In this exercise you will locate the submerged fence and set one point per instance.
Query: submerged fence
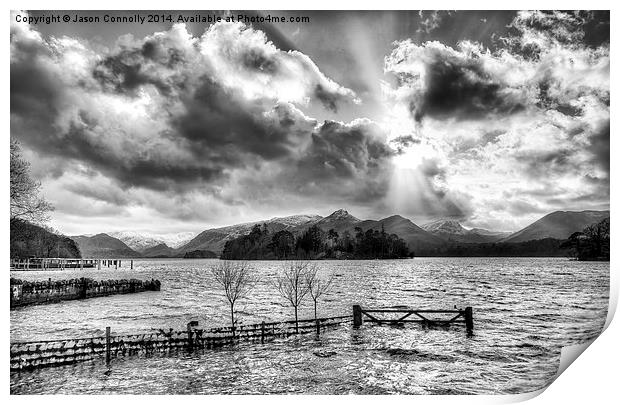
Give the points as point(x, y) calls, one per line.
point(29, 355)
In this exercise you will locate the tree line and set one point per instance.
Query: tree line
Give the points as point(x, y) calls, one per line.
point(315, 243)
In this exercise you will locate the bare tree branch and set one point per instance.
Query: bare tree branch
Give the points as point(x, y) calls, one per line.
point(26, 203)
point(237, 280)
point(291, 285)
point(316, 285)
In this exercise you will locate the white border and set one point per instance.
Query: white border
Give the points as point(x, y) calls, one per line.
point(593, 378)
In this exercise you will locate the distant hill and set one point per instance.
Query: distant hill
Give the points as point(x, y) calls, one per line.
point(547, 247)
point(200, 254)
point(339, 221)
point(557, 225)
point(29, 240)
point(215, 239)
point(453, 231)
point(415, 237)
point(103, 246)
point(161, 250)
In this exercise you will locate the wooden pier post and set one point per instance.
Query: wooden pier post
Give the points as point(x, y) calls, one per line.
point(119, 263)
point(107, 345)
point(357, 316)
point(98, 264)
point(115, 264)
point(131, 264)
point(190, 340)
point(469, 320)
point(189, 336)
point(318, 327)
point(262, 332)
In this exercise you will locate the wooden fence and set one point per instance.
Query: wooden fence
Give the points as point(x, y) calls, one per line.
point(29, 355)
point(427, 317)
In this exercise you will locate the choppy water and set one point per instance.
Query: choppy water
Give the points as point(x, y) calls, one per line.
point(525, 310)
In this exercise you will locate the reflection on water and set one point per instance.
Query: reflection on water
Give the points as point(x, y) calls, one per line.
point(525, 310)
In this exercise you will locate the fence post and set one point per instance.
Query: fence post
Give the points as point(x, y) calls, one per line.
point(357, 316)
point(262, 332)
point(469, 320)
point(107, 345)
point(83, 287)
point(189, 336)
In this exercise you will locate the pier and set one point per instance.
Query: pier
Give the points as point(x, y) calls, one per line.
point(62, 263)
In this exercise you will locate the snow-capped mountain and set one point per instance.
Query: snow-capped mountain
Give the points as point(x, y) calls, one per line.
point(447, 226)
point(140, 241)
point(452, 231)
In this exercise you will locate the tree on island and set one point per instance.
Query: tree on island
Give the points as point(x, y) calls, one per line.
point(237, 280)
point(590, 244)
point(317, 285)
point(292, 285)
point(283, 244)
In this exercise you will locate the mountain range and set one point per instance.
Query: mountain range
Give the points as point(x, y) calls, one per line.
point(142, 241)
point(557, 225)
point(427, 239)
point(453, 231)
point(103, 246)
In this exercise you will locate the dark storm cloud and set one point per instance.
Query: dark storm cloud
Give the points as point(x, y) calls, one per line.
point(346, 151)
point(328, 99)
point(350, 162)
point(35, 92)
point(532, 32)
point(125, 72)
point(223, 128)
point(457, 86)
point(162, 113)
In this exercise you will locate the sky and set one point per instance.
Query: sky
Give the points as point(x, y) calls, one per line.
point(490, 118)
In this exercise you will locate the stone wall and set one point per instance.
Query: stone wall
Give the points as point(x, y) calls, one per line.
point(45, 292)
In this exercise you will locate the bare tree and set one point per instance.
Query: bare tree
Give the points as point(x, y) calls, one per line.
point(237, 280)
point(26, 203)
point(291, 285)
point(317, 285)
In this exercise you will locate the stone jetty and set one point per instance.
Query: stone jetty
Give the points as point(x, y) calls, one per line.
point(46, 292)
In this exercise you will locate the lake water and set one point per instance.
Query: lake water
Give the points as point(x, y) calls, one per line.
point(525, 310)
